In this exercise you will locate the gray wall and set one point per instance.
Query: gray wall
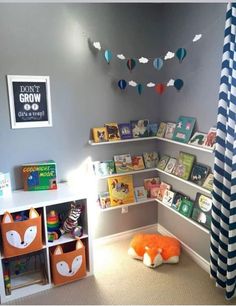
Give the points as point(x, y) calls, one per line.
point(52, 39)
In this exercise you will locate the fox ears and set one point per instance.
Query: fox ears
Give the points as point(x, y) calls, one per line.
point(58, 250)
point(7, 218)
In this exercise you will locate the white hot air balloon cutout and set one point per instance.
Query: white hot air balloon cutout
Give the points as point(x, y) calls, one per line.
point(132, 83)
point(97, 45)
point(197, 37)
point(143, 60)
point(121, 56)
point(169, 55)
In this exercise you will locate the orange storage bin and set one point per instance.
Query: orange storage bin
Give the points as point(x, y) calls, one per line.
point(21, 237)
point(68, 265)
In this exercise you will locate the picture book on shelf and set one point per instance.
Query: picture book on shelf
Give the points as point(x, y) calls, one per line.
point(104, 168)
point(100, 134)
point(170, 127)
point(186, 207)
point(139, 128)
point(123, 163)
point(202, 210)
point(184, 165)
point(112, 131)
point(5, 184)
point(121, 190)
point(177, 200)
point(199, 173)
point(154, 190)
point(104, 199)
point(125, 130)
point(170, 165)
point(140, 193)
point(152, 129)
point(162, 129)
point(150, 182)
point(211, 138)
point(184, 129)
point(208, 183)
point(163, 187)
point(150, 159)
point(163, 162)
point(198, 139)
point(137, 162)
point(168, 197)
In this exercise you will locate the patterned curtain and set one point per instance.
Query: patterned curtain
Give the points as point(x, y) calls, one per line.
point(223, 227)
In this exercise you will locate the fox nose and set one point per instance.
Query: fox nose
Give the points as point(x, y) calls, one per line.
point(152, 265)
point(70, 271)
point(22, 242)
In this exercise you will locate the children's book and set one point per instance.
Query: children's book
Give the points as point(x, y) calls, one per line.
point(198, 139)
point(100, 134)
point(140, 193)
point(170, 127)
point(208, 183)
point(112, 131)
point(150, 159)
point(211, 138)
point(178, 197)
point(154, 190)
point(121, 190)
point(104, 199)
point(168, 197)
point(152, 129)
point(202, 210)
point(137, 162)
point(184, 165)
point(186, 207)
point(163, 187)
point(199, 173)
point(125, 130)
point(184, 129)
point(104, 168)
point(139, 128)
point(5, 184)
point(163, 162)
point(162, 129)
point(123, 163)
point(150, 182)
point(170, 165)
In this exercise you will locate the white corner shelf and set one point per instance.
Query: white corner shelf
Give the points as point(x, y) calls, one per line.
point(126, 205)
point(126, 173)
point(65, 239)
point(92, 143)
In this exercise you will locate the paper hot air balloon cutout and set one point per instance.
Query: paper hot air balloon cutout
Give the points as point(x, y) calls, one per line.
point(178, 84)
point(122, 84)
point(160, 88)
point(169, 55)
point(180, 54)
point(151, 84)
point(131, 63)
point(158, 63)
point(143, 60)
point(132, 83)
point(108, 56)
point(140, 88)
point(121, 56)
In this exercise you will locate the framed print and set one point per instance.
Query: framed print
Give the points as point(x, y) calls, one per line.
point(30, 101)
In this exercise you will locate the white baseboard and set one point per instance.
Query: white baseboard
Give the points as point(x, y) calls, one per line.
point(203, 263)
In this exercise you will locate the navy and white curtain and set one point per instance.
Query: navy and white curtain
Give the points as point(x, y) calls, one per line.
point(223, 228)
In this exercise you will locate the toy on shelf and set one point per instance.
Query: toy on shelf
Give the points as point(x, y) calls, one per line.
point(154, 249)
point(21, 217)
point(6, 276)
point(53, 226)
point(71, 221)
point(77, 232)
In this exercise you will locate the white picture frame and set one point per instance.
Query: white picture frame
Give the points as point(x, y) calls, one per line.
point(29, 101)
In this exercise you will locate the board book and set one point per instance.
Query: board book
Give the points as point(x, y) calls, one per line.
point(125, 130)
point(139, 128)
point(123, 163)
point(184, 165)
point(199, 173)
point(170, 165)
point(140, 193)
point(168, 197)
point(184, 129)
point(198, 139)
point(112, 131)
point(178, 197)
point(137, 162)
point(208, 183)
point(170, 127)
point(186, 207)
point(202, 210)
point(104, 168)
point(151, 182)
point(104, 199)
point(152, 129)
point(211, 138)
point(100, 134)
point(163, 162)
point(150, 159)
point(162, 129)
point(163, 187)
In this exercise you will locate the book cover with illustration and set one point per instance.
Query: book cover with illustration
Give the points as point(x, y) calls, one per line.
point(210, 141)
point(104, 199)
point(170, 165)
point(151, 182)
point(104, 168)
point(140, 193)
point(170, 127)
point(168, 197)
point(208, 183)
point(100, 134)
point(184, 165)
point(139, 128)
point(137, 162)
point(154, 190)
point(163, 162)
point(202, 210)
point(152, 129)
point(162, 129)
point(125, 130)
point(199, 173)
point(198, 139)
point(39, 176)
point(113, 133)
point(5, 184)
point(150, 159)
point(178, 197)
point(123, 163)
point(121, 190)
point(163, 187)
point(186, 207)
point(184, 129)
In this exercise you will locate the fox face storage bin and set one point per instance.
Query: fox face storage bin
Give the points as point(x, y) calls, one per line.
point(21, 237)
point(68, 265)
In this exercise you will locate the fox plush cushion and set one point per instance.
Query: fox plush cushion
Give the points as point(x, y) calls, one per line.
point(21, 237)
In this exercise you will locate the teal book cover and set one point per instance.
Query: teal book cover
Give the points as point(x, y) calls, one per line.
point(184, 129)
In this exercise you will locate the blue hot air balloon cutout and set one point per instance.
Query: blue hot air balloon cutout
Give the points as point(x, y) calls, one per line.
point(178, 84)
point(131, 63)
point(122, 84)
point(158, 63)
point(180, 54)
point(108, 56)
point(140, 88)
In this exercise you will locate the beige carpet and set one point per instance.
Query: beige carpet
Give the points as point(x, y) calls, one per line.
point(121, 280)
